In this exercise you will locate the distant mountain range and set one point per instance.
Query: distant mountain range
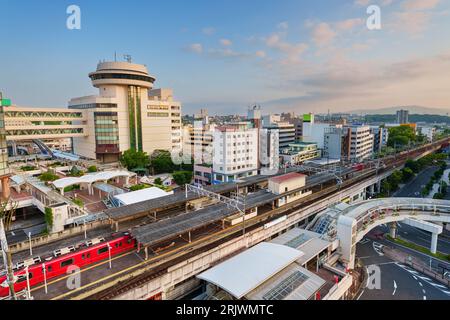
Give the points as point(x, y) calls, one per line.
point(412, 110)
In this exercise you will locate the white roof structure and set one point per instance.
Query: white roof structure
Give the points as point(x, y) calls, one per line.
point(141, 195)
point(90, 178)
point(251, 268)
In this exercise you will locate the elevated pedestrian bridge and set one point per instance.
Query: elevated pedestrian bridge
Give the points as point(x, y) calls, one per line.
point(359, 219)
point(44, 123)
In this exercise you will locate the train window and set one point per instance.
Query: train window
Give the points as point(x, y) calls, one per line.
point(66, 263)
point(88, 255)
point(83, 256)
point(49, 268)
point(129, 241)
point(102, 250)
point(23, 277)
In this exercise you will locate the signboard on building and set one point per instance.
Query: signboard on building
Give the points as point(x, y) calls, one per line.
point(5, 102)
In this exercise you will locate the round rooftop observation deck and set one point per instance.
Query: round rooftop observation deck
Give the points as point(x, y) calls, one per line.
point(121, 73)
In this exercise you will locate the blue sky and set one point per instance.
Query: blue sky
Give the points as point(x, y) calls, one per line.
point(225, 55)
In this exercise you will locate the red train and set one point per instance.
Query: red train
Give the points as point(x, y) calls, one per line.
point(57, 264)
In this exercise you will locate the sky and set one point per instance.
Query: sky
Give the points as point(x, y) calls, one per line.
point(226, 55)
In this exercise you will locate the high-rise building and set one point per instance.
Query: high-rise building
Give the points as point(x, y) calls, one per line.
point(402, 116)
point(127, 114)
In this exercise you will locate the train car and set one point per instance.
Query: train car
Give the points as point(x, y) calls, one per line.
point(88, 253)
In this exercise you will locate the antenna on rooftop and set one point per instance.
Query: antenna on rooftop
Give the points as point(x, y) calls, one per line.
point(127, 57)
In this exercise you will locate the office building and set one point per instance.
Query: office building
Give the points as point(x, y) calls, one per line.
point(126, 114)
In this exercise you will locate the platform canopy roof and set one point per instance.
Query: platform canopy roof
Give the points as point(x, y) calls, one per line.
point(248, 270)
point(141, 195)
point(90, 178)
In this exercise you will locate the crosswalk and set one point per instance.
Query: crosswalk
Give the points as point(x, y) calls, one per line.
point(417, 276)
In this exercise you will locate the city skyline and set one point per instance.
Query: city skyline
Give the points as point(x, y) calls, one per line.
point(299, 57)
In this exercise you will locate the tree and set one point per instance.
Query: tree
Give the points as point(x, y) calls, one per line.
point(407, 174)
point(400, 136)
point(92, 169)
point(162, 162)
point(413, 165)
point(158, 181)
point(132, 159)
point(182, 177)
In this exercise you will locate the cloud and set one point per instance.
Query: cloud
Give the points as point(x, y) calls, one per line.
point(349, 24)
point(283, 25)
point(226, 53)
point(420, 4)
point(346, 84)
point(323, 34)
point(209, 31)
point(291, 51)
point(225, 42)
point(366, 3)
point(195, 48)
point(260, 54)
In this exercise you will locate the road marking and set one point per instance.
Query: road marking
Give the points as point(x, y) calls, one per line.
point(378, 247)
point(423, 290)
point(415, 278)
point(424, 298)
point(420, 283)
point(427, 280)
point(360, 294)
point(395, 287)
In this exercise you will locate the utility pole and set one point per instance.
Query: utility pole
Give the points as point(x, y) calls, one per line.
point(7, 260)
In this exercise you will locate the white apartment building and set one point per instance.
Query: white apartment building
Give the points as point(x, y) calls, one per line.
point(360, 143)
point(235, 152)
point(126, 114)
point(428, 132)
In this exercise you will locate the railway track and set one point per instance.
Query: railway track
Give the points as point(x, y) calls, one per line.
point(158, 265)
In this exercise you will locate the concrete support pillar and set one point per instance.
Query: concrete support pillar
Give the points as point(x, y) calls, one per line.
point(372, 189)
point(190, 237)
point(393, 230)
point(5, 188)
point(378, 188)
point(61, 191)
point(116, 226)
point(146, 253)
point(434, 240)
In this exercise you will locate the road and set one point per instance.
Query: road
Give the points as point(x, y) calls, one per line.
point(413, 188)
point(396, 281)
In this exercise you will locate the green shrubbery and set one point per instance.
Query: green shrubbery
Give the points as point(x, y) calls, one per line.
point(48, 176)
point(28, 168)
